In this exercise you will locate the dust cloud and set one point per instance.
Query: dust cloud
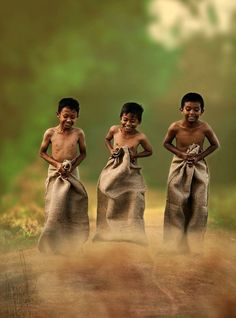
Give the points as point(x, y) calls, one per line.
point(118, 279)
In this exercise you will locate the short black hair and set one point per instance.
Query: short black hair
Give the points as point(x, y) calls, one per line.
point(192, 97)
point(132, 108)
point(69, 102)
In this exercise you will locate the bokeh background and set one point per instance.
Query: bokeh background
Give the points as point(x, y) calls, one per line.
point(105, 53)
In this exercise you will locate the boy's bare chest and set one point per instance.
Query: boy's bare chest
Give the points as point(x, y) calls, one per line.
point(131, 141)
point(186, 137)
point(64, 140)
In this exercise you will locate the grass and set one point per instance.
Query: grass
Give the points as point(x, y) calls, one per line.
point(222, 203)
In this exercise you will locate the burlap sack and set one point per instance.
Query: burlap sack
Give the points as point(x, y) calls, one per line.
point(66, 208)
point(120, 201)
point(186, 213)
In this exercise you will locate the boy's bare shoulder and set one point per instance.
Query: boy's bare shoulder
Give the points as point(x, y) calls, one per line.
point(141, 135)
point(203, 126)
point(175, 125)
point(78, 130)
point(114, 129)
point(50, 131)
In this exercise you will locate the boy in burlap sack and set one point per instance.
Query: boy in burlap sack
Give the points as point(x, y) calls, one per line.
point(121, 188)
point(185, 217)
point(66, 200)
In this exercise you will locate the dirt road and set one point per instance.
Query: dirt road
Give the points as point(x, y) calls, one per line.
point(122, 280)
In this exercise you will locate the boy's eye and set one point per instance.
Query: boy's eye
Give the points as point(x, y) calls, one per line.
point(126, 119)
point(66, 117)
point(189, 109)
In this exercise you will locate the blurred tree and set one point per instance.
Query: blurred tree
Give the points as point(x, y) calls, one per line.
point(101, 53)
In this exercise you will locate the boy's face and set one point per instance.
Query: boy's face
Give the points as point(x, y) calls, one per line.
point(67, 117)
point(129, 122)
point(191, 111)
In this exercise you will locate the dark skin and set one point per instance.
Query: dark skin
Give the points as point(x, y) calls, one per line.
point(65, 141)
point(188, 131)
point(127, 135)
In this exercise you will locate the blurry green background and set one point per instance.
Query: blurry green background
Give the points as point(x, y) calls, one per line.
point(105, 53)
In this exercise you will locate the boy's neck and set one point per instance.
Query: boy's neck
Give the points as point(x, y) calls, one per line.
point(62, 130)
point(188, 124)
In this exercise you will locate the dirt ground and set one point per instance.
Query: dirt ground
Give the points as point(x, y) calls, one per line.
point(122, 280)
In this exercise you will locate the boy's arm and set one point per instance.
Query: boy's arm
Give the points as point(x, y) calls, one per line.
point(108, 139)
point(214, 143)
point(147, 148)
point(82, 150)
point(167, 143)
point(44, 147)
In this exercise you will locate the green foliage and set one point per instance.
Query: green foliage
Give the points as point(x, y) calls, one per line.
point(103, 55)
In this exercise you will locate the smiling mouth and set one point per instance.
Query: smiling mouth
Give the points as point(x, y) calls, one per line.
point(128, 128)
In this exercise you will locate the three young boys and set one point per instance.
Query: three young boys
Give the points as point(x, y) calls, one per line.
point(121, 187)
